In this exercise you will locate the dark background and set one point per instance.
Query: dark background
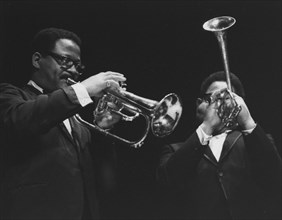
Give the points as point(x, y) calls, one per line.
point(161, 47)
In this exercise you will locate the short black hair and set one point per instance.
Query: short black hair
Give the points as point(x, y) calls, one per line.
point(45, 39)
point(221, 76)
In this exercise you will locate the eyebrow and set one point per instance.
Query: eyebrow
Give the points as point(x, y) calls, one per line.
point(66, 56)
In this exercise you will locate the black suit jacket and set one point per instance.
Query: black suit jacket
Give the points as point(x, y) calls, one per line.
point(244, 184)
point(45, 174)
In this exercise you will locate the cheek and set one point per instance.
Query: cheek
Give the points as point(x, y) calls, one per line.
point(201, 108)
point(54, 75)
point(53, 78)
point(201, 111)
point(49, 72)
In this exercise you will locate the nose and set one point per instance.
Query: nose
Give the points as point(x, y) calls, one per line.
point(74, 72)
point(72, 69)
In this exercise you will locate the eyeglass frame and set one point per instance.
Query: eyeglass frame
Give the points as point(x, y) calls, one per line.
point(204, 98)
point(222, 94)
point(60, 60)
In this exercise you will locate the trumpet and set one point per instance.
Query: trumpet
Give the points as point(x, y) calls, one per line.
point(228, 109)
point(161, 117)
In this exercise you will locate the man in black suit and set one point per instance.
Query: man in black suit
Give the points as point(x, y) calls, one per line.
point(223, 172)
point(47, 171)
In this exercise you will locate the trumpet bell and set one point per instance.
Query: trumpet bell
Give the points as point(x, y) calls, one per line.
point(166, 115)
point(219, 23)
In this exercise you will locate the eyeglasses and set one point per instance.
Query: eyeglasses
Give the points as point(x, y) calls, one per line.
point(205, 98)
point(66, 62)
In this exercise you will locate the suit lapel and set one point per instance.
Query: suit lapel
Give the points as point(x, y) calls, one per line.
point(66, 132)
point(229, 143)
point(227, 146)
point(209, 155)
point(75, 132)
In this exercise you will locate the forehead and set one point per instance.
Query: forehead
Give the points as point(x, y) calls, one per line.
point(67, 47)
point(217, 85)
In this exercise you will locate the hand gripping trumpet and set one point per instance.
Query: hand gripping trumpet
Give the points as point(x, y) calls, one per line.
point(162, 117)
point(228, 108)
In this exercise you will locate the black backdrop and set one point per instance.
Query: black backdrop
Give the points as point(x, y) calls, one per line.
point(161, 47)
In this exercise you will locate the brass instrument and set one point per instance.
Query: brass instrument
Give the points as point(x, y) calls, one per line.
point(162, 117)
point(228, 108)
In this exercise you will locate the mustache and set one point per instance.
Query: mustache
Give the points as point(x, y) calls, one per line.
point(67, 75)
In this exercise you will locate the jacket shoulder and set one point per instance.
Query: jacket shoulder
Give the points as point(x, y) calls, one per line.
point(7, 88)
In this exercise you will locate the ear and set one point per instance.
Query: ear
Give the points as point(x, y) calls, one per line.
point(35, 59)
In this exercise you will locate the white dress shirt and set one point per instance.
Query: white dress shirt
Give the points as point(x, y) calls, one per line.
point(216, 142)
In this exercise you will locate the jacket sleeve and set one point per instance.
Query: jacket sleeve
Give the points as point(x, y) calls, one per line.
point(28, 115)
point(266, 163)
point(178, 162)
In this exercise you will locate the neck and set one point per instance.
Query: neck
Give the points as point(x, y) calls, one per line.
point(40, 81)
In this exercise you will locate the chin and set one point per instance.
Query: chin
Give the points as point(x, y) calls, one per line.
point(63, 83)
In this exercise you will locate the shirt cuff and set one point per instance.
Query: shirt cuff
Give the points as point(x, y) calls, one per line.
point(82, 94)
point(203, 137)
point(249, 131)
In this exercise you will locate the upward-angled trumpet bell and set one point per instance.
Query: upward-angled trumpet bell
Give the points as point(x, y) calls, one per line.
point(219, 23)
point(218, 26)
point(228, 109)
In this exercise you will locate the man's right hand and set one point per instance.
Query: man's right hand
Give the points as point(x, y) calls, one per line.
point(96, 84)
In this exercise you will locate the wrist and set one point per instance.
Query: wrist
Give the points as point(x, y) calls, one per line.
point(249, 124)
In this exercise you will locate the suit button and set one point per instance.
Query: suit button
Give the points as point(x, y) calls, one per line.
point(220, 173)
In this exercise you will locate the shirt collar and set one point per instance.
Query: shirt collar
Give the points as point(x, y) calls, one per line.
point(222, 134)
point(33, 84)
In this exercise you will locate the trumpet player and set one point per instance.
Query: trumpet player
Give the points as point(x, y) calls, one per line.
point(222, 172)
point(47, 171)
